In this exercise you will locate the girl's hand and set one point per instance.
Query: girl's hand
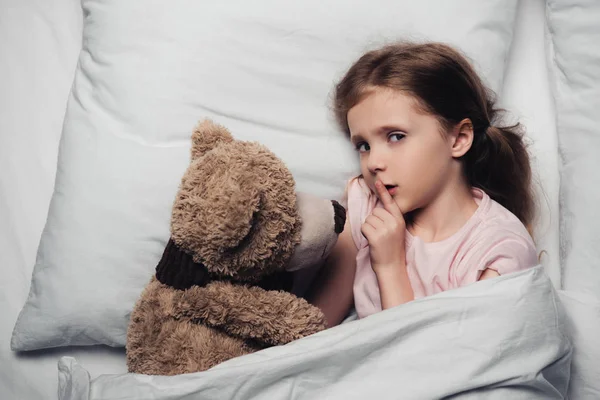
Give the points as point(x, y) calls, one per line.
point(385, 230)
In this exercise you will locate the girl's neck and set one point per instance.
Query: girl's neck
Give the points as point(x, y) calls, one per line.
point(445, 215)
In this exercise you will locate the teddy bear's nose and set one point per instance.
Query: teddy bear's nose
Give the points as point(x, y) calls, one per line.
point(339, 216)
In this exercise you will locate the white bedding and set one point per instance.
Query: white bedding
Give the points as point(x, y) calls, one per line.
point(497, 339)
point(40, 44)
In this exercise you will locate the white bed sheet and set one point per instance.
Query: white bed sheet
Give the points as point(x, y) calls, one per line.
point(40, 44)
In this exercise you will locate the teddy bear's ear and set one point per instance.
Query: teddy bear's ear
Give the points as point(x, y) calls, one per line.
point(207, 136)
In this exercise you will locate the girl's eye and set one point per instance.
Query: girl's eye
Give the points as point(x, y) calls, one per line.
point(395, 136)
point(362, 147)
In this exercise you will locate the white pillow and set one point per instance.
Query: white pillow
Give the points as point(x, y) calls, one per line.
point(148, 71)
point(574, 27)
point(575, 33)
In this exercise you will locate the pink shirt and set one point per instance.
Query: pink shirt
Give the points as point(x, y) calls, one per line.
point(492, 238)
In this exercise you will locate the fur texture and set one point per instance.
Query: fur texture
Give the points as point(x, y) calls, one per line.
point(207, 136)
point(269, 318)
point(236, 210)
point(235, 216)
point(160, 344)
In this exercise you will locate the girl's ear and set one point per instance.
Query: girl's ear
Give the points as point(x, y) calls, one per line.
point(461, 138)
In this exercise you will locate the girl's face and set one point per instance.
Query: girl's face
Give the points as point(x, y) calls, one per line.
point(402, 147)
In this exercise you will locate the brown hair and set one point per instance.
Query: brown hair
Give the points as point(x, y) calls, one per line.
point(446, 86)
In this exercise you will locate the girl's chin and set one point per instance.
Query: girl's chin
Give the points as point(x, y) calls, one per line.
point(406, 207)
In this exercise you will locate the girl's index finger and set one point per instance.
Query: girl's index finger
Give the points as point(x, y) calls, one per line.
point(386, 199)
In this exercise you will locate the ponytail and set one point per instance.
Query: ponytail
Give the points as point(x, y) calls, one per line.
point(498, 163)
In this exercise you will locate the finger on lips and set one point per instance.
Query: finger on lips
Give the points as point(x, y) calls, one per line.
point(386, 199)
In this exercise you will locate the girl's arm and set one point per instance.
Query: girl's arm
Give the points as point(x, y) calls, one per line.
point(394, 286)
point(332, 291)
point(488, 274)
point(385, 230)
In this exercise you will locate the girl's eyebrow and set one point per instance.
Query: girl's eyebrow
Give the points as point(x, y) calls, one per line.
point(354, 139)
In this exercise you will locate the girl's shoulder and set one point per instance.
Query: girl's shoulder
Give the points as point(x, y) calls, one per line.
point(499, 241)
point(357, 186)
point(498, 222)
point(359, 204)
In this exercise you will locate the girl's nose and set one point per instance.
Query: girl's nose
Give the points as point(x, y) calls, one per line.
point(376, 161)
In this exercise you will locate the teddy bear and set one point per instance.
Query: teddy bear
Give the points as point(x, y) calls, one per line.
point(240, 232)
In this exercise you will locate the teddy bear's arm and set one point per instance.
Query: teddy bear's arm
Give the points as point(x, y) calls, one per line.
point(269, 317)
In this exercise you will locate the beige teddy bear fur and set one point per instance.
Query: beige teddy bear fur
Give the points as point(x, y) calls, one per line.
point(222, 287)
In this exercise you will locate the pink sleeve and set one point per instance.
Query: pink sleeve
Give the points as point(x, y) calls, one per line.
point(503, 255)
point(358, 209)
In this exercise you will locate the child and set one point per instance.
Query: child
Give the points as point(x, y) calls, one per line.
point(444, 198)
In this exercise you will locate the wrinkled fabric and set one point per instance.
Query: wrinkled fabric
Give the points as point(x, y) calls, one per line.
point(495, 339)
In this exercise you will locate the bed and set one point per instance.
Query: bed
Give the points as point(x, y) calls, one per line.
point(45, 76)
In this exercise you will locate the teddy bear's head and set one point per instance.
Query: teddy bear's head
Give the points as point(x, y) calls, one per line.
point(237, 215)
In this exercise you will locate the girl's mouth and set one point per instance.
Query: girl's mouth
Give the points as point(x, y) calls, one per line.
point(391, 189)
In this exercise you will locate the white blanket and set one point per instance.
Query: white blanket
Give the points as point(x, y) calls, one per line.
point(497, 339)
